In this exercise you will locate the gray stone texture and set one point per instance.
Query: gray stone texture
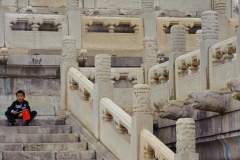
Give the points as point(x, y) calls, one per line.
point(1, 25)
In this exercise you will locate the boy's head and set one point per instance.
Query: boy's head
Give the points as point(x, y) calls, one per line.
point(20, 95)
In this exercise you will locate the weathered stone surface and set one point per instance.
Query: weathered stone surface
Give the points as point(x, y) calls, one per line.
point(234, 85)
point(38, 138)
point(173, 109)
point(214, 101)
point(90, 154)
point(117, 4)
point(1, 25)
point(55, 146)
point(36, 129)
point(11, 147)
point(27, 155)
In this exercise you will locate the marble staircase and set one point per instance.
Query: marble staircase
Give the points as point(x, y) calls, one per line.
point(46, 138)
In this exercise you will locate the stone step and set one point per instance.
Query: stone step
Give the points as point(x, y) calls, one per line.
point(81, 146)
point(33, 155)
point(38, 121)
point(60, 129)
point(38, 138)
point(90, 154)
point(21, 155)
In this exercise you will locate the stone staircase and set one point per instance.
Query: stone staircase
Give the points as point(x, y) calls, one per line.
point(46, 139)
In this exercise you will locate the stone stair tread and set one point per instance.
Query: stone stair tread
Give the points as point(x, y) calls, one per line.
point(53, 129)
point(36, 155)
point(21, 155)
point(38, 121)
point(80, 146)
point(66, 155)
point(38, 138)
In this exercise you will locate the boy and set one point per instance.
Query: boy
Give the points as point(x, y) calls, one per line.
point(15, 110)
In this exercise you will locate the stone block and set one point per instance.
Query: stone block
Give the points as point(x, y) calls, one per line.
point(12, 3)
point(11, 147)
point(55, 129)
point(56, 147)
point(38, 138)
point(130, 12)
point(22, 3)
point(88, 3)
point(1, 25)
point(23, 84)
point(28, 155)
point(117, 61)
point(119, 4)
point(108, 12)
point(9, 85)
point(47, 3)
point(2, 85)
point(90, 154)
point(37, 86)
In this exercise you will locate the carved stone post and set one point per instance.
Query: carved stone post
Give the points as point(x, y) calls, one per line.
point(198, 38)
point(209, 37)
point(69, 55)
point(142, 118)
point(1, 26)
point(178, 48)
point(238, 46)
point(102, 87)
point(220, 6)
point(74, 21)
point(186, 140)
point(149, 18)
point(149, 55)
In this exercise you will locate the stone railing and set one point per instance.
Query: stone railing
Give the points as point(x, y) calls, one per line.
point(187, 74)
point(158, 76)
point(99, 32)
point(118, 132)
point(151, 147)
point(222, 63)
point(79, 91)
point(133, 75)
point(77, 79)
point(35, 31)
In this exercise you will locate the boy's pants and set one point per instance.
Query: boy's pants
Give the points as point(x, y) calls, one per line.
point(11, 117)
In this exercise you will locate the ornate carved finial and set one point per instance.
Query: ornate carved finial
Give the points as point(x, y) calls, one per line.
point(210, 25)
point(198, 38)
point(186, 135)
point(3, 55)
point(69, 52)
point(82, 57)
point(141, 102)
point(73, 4)
point(102, 68)
point(220, 6)
point(149, 50)
point(147, 6)
point(178, 38)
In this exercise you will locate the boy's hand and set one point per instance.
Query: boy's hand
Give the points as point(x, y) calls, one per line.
point(20, 115)
point(15, 112)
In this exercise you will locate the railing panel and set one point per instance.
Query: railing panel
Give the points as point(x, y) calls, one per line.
point(187, 76)
point(115, 129)
point(222, 64)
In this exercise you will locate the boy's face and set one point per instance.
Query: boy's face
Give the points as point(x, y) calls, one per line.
point(20, 97)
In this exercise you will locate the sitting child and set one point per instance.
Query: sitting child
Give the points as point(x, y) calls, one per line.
point(15, 110)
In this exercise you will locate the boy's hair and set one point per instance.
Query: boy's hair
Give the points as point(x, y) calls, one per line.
point(21, 91)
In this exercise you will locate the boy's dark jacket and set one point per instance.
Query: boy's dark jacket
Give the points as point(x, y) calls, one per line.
point(16, 106)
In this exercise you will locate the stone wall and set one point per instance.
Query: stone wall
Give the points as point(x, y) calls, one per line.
point(43, 95)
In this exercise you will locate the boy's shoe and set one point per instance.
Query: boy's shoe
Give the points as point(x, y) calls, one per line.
point(14, 124)
point(26, 124)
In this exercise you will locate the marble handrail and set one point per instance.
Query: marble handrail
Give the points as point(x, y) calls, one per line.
point(153, 147)
point(120, 117)
point(84, 84)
